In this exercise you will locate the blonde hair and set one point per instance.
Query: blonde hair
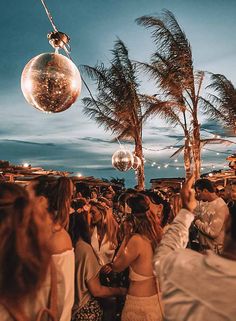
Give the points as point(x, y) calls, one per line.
point(109, 224)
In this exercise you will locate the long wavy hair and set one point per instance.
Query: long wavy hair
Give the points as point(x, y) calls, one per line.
point(108, 224)
point(59, 193)
point(166, 211)
point(24, 254)
point(143, 222)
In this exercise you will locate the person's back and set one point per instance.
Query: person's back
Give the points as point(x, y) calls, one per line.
point(142, 281)
point(196, 287)
point(35, 303)
point(46, 193)
point(136, 252)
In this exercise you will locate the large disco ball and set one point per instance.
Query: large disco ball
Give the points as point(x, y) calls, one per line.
point(136, 163)
point(122, 160)
point(51, 82)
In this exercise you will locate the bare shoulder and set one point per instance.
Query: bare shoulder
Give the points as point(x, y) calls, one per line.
point(135, 240)
point(60, 242)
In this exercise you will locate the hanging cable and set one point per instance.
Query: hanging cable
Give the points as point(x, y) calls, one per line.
point(61, 40)
point(49, 16)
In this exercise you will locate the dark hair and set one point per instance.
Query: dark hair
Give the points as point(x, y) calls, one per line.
point(59, 194)
point(138, 203)
point(157, 199)
point(78, 203)
point(232, 211)
point(83, 189)
point(24, 254)
point(79, 228)
point(204, 183)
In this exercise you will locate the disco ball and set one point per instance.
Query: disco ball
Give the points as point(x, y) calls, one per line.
point(122, 160)
point(51, 82)
point(136, 163)
point(232, 164)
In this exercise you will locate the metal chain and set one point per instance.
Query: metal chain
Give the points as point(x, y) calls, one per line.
point(49, 16)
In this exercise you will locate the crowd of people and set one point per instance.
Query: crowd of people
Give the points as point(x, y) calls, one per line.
point(70, 252)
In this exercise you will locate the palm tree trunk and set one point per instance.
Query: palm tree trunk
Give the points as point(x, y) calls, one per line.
point(187, 155)
point(140, 169)
point(196, 147)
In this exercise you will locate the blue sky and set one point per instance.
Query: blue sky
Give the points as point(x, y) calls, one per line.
point(70, 140)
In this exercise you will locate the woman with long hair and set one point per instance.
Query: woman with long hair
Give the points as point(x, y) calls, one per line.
point(160, 208)
point(136, 252)
point(104, 229)
point(25, 255)
point(87, 267)
point(55, 196)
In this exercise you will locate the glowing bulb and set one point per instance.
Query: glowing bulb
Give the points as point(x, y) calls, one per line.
point(176, 160)
point(210, 174)
point(26, 165)
point(158, 167)
point(79, 175)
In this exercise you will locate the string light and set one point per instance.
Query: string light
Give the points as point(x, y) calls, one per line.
point(25, 165)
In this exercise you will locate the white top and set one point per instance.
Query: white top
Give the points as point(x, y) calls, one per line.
point(195, 287)
point(33, 305)
point(211, 223)
point(106, 251)
point(65, 263)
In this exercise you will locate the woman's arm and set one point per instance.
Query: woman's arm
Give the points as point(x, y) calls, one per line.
point(127, 253)
point(100, 291)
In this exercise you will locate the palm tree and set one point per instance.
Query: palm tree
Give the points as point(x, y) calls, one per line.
point(220, 104)
point(171, 67)
point(117, 105)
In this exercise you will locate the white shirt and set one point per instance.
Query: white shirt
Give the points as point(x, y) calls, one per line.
point(65, 264)
point(211, 224)
point(34, 304)
point(106, 251)
point(195, 287)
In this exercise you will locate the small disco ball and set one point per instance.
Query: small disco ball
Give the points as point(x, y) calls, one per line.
point(122, 160)
point(51, 82)
point(136, 162)
point(232, 165)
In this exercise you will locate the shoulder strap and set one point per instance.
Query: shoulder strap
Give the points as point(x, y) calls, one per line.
point(159, 298)
point(51, 310)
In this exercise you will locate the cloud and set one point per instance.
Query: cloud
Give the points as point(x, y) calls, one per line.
point(26, 142)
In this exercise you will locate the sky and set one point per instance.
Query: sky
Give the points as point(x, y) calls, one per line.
point(70, 140)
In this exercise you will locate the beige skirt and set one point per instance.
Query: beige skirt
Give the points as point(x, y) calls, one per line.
point(141, 309)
